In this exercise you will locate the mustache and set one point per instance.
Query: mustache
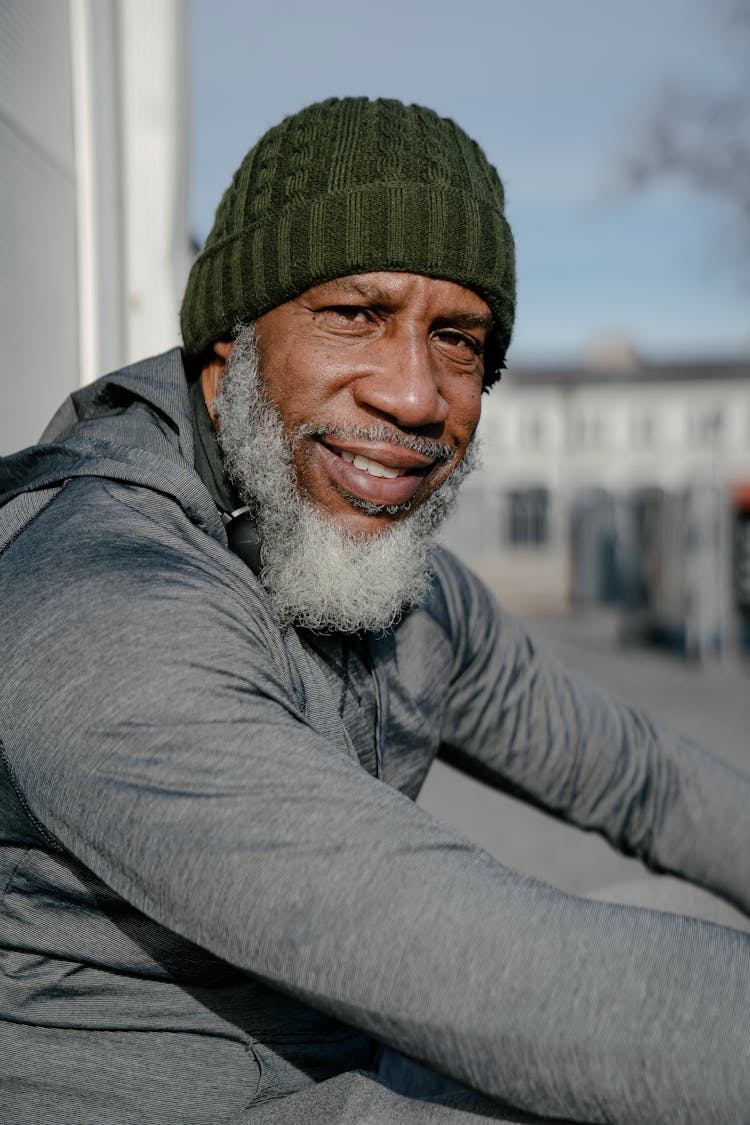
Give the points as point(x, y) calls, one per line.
point(426, 447)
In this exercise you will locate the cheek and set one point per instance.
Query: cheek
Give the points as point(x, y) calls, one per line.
point(464, 416)
point(306, 471)
point(299, 391)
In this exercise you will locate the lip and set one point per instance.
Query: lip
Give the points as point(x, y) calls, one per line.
point(393, 456)
point(375, 490)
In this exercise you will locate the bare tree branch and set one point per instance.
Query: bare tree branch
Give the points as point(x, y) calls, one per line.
point(703, 136)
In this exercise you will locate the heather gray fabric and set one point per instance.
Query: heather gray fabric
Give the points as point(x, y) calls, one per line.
point(676, 897)
point(357, 1099)
point(208, 904)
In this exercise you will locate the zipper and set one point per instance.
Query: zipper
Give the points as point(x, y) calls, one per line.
point(379, 707)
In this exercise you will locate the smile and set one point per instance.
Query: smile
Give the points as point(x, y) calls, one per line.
point(374, 468)
point(390, 477)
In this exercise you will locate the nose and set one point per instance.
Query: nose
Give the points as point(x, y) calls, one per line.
point(402, 383)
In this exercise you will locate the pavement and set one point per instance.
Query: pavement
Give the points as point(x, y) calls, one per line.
point(711, 705)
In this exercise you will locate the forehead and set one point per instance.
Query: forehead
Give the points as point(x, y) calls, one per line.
point(399, 289)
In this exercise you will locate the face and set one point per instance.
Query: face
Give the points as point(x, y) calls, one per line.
point(377, 379)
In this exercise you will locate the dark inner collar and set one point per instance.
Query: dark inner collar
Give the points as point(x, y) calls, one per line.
point(242, 534)
point(209, 463)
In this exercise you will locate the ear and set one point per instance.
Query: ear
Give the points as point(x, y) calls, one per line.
point(212, 372)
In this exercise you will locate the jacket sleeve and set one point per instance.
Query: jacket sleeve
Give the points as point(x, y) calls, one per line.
point(520, 720)
point(151, 730)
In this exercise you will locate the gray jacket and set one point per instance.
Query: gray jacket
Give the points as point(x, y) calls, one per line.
point(208, 903)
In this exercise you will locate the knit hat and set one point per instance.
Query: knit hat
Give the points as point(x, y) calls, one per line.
point(351, 186)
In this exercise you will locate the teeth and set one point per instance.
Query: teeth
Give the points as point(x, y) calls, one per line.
point(374, 468)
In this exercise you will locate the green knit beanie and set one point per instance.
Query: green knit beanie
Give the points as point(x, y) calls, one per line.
point(351, 186)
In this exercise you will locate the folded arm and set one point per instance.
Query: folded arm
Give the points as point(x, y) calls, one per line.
point(168, 754)
point(520, 720)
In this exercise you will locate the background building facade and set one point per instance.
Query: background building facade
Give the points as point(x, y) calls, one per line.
point(619, 482)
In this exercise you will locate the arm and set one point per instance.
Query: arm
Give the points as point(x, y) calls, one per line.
point(166, 751)
point(521, 721)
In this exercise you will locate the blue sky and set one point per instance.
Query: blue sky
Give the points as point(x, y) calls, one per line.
point(557, 92)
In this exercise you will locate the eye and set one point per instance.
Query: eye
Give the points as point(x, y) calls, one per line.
point(459, 344)
point(348, 314)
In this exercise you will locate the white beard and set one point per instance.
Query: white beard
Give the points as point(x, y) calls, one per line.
point(318, 576)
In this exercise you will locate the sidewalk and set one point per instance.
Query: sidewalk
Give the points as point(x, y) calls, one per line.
point(711, 706)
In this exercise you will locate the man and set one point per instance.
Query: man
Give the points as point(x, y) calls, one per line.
point(229, 664)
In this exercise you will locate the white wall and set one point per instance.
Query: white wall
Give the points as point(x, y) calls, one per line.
point(588, 434)
point(38, 252)
point(573, 436)
point(93, 195)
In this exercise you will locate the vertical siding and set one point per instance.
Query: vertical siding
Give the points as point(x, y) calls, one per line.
point(93, 195)
point(38, 268)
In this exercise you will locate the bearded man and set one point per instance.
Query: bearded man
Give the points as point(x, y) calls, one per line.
point(231, 653)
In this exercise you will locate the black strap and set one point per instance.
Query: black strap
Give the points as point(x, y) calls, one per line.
point(243, 537)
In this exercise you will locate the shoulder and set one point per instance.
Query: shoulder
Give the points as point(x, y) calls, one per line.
point(469, 616)
point(107, 554)
point(458, 598)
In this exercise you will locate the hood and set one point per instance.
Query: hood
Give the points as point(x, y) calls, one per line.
point(132, 426)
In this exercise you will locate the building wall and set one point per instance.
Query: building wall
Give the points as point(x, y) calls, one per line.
point(93, 195)
point(574, 460)
point(619, 435)
point(38, 249)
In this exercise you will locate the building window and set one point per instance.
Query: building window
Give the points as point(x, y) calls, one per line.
point(528, 517)
point(586, 431)
point(705, 428)
point(533, 432)
point(643, 431)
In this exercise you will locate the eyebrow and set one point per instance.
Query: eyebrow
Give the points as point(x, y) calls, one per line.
point(370, 292)
point(466, 320)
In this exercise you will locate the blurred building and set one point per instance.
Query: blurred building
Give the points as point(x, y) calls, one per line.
point(619, 482)
point(93, 194)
